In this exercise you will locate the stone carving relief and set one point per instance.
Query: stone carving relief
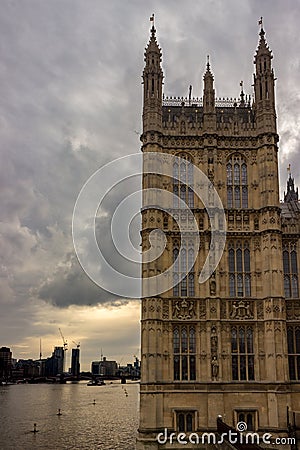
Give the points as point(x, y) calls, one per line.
point(220, 185)
point(210, 172)
point(165, 312)
point(214, 341)
point(225, 327)
point(241, 310)
point(203, 354)
point(212, 285)
point(260, 309)
point(223, 309)
point(293, 309)
point(214, 368)
point(257, 244)
point(184, 309)
point(214, 354)
point(269, 326)
point(276, 308)
point(151, 308)
point(277, 326)
point(166, 355)
point(166, 327)
point(224, 354)
point(268, 309)
point(202, 309)
point(213, 309)
point(202, 327)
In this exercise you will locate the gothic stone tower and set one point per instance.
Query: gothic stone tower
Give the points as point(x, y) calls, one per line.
point(229, 346)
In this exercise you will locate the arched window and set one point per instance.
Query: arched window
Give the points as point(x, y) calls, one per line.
point(237, 182)
point(184, 353)
point(184, 340)
point(183, 181)
point(290, 270)
point(293, 337)
point(242, 353)
point(176, 272)
point(239, 269)
point(176, 340)
point(185, 287)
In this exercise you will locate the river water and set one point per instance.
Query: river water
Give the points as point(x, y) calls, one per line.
point(109, 424)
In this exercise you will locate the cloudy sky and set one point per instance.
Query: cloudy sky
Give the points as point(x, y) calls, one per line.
point(71, 99)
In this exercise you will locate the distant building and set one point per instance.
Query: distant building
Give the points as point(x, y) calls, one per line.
point(25, 368)
point(104, 368)
point(58, 356)
point(75, 364)
point(131, 370)
point(5, 362)
point(54, 365)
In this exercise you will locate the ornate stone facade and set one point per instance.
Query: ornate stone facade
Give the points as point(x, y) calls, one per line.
point(222, 347)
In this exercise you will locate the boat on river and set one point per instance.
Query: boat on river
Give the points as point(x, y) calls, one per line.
point(96, 383)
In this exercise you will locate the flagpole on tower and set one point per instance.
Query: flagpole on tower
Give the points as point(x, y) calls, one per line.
point(152, 20)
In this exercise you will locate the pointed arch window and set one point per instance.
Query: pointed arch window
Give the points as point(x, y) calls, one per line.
point(290, 270)
point(183, 181)
point(293, 337)
point(242, 353)
point(237, 182)
point(184, 353)
point(185, 287)
point(239, 269)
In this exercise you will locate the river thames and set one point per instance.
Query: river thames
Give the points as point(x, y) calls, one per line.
point(109, 424)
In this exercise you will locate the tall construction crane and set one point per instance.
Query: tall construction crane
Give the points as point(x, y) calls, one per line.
point(77, 344)
point(65, 348)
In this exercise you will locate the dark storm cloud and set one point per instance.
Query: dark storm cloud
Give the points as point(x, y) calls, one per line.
point(71, 98)
point(69, 285)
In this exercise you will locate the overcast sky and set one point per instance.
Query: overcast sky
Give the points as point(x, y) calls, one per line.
point(71, 99)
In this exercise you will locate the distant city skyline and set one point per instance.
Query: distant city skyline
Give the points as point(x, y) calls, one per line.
point(69, 359)
point(71, 99)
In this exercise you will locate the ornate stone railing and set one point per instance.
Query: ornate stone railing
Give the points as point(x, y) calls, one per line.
point(179, 101)
point(198, 101)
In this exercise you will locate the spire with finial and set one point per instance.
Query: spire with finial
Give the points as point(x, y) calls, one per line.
point(207, 64)
point(262, 49)
point(152, 80)
point(209, 97)
point(291, 194)
point(153, 74)
point(264, 81)
point(208, 77)
point(153, 47)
